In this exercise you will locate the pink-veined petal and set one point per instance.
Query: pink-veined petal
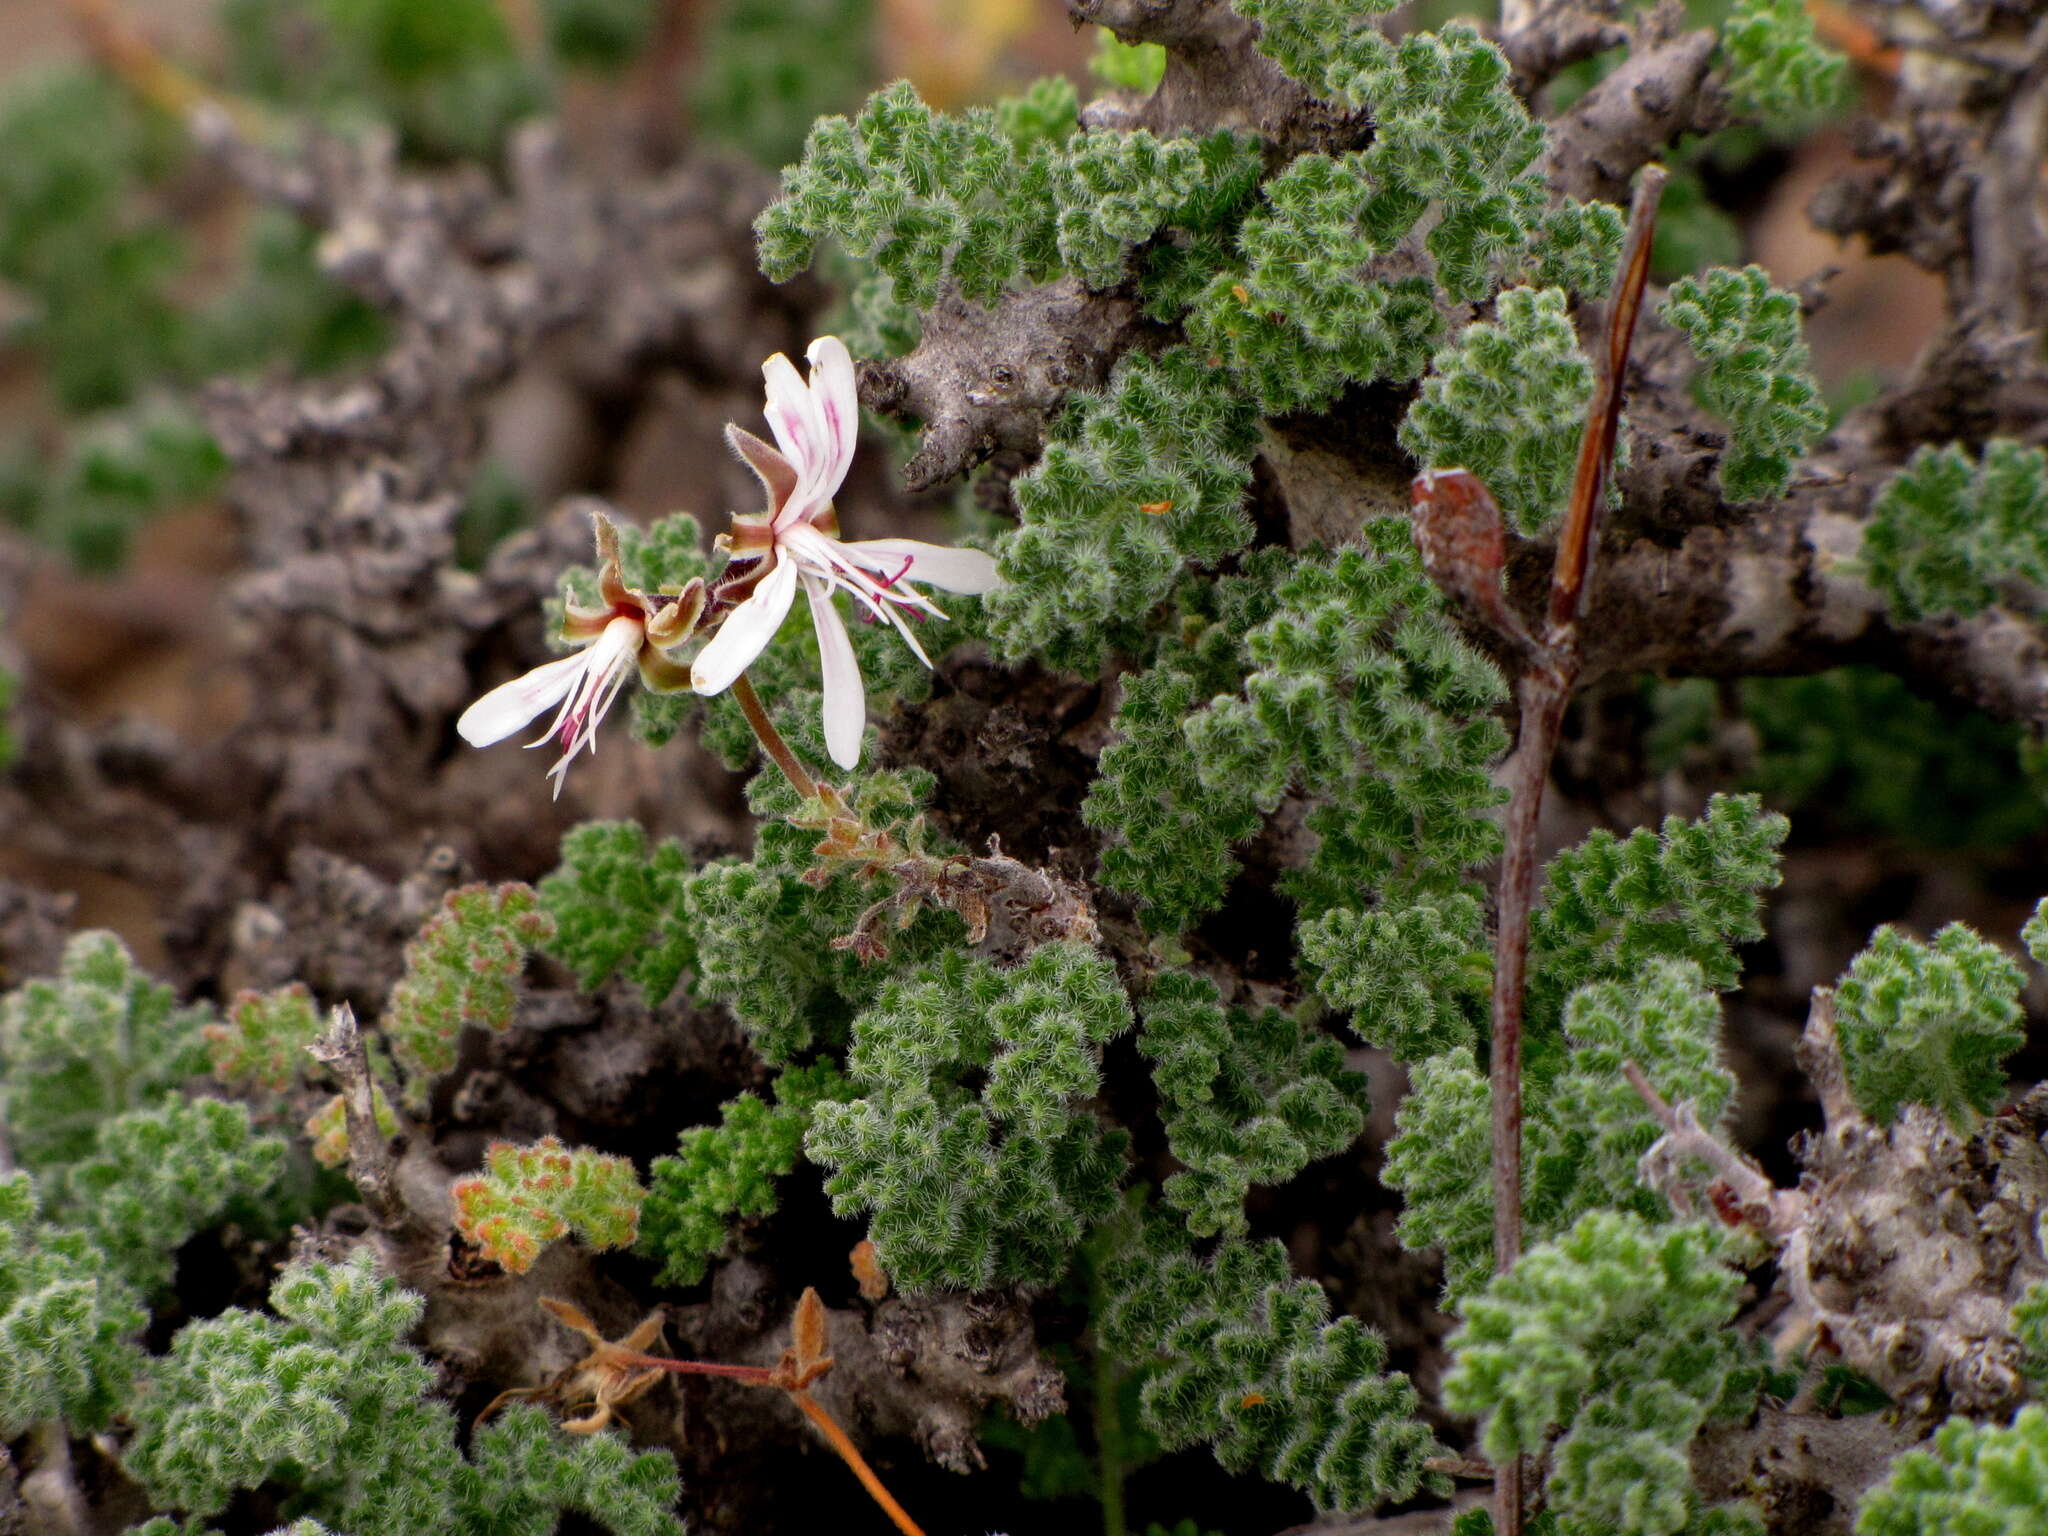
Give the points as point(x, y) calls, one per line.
point(971, 571)
point(513, 706)
point(799, 430)
point(845, 704)
point(746, 631)
point(832, 386)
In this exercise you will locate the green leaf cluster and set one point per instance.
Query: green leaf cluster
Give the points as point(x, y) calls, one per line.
point(74, 150)
point(1578, 248)
point(1364, 697)
point(108, 477)
point(1979, 1480)
point(1325, 44)
point(617, 903)
point(1245, 1356)
point(1169, 835)
point(68, 1323)
point(982, 200)
point(95, 1041)
point(970, 1147)
point(1609, 1348)
point(463, 968)
point(1929, 1024)
point(765, 934)
point(89, 243)
point(1630, 939)
point(449, 77)
point(1245, 1098)
point(1507, 400)
point(1775, 68)
point(262, 1044)
point(1583, 1133)
point(1447, 125)
point(1299, 312)
point(1944, 532)
point(1755, 375)
point(1134, 483)
point(327, 1399)
point(2030, 1328)
point(1295, 317)
point(158, 1177)
point(1691, 890)
point(752, 934)
point(725, 1173)
point(1417, 977)
point(528, 1197)
point(119, 1172)
point(1121, 66)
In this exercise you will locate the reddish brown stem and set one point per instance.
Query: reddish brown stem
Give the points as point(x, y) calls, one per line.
point(753, 1375)
point(1542, 693)
point(771, 739)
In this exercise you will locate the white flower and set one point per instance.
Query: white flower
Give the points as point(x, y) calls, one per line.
point(796, 542)
point(626, 633)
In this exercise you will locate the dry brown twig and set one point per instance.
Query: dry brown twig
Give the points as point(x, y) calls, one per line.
point(610, 1376)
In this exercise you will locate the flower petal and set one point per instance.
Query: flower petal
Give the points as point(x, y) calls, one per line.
point(799, 428)
point(746, 631)
point(845, 701)
point(512, 706)
point(938, 565)
point(832, 386)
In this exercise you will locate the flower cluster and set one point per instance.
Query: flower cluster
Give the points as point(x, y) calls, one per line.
point(794, 541)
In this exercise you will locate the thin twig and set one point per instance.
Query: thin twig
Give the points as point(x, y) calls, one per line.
point(752, 1375)
point(1543, 690)
point(370, 1164)
point(1570, 578)
point(771, 739)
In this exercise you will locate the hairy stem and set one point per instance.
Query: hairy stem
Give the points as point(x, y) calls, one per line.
point(771, 739)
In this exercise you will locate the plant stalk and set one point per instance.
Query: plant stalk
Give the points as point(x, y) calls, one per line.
point(1542, 692)
point(771, 739)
